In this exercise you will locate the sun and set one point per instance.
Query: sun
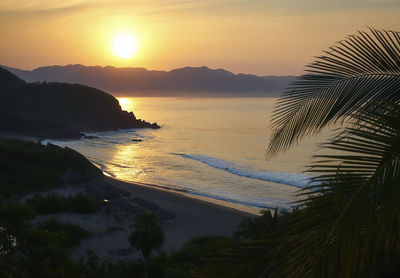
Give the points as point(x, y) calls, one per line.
point(124, 46)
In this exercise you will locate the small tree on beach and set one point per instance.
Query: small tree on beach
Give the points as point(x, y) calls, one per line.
point(148, 235)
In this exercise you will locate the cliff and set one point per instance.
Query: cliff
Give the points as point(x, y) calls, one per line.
point(51, 110)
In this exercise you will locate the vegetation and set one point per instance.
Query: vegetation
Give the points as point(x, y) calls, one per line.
point(42, 250)
point(54, 203)
point(347, 223)
point(32, 108)
point(30, 167)
point(148, 235)
point(71, 235)
point(252, 229)
point(29, 250)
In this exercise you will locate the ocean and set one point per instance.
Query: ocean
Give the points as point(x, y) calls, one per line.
point(210, 147)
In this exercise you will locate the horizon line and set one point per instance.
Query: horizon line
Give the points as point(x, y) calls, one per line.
point(150, 70)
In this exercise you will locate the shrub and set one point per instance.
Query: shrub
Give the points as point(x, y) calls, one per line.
point(81, 203)
point(54, 203)
point(72, 234)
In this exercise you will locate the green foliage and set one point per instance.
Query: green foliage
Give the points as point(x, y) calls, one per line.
point(28, 250)
point(71, 234)
point(92, 267)
point(350, 220)
point(348, 224)
point(32, 108)
point(199, 247)
point(43, 249)
point(48, 204)
point(147, 234)
point(81, 203)
point(359, 70)
point(13, 220)
point(55, 203)
point(35, 251)
point(193, 253)
point(257, 228)
point(29, 167)
point(251, 252)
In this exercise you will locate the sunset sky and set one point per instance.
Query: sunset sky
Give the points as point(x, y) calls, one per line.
point(249, 36)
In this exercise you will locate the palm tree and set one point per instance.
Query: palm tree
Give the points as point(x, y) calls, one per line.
point(349, 225)
point(148, 235)
point(362, 69)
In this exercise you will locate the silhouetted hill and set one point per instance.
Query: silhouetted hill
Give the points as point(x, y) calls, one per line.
point(59, 109)
point(188, 81)
point(28, 167)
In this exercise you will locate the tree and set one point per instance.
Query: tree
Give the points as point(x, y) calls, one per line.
point(361, 70)
point(148, 235)
point(14, 220)
point(349, 223)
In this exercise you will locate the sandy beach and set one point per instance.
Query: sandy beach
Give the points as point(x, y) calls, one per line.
point(182, 217)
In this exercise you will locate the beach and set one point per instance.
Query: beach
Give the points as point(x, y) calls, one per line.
point(182, 217)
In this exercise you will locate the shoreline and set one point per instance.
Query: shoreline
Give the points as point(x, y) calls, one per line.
point(236, 207)
point(183, 216)
point(254, 211)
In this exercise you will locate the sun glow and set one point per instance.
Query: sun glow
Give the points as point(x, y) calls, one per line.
point(124, 101)
point(124, 46)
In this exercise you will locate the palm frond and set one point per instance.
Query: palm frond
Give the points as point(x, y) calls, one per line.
point(362, 69)
point(350, 221)
point(244, 260)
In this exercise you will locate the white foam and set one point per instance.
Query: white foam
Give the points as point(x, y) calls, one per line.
point(297, 180)
point(103, 168)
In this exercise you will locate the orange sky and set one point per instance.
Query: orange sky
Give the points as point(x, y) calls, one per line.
point(264, 37)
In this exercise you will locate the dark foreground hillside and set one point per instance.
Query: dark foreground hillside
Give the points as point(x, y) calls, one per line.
point(29, 167)
point(59, 109)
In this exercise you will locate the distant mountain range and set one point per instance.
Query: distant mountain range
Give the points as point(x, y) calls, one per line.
point(188, 81)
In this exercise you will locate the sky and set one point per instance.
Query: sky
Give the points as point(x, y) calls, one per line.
point(263, 37)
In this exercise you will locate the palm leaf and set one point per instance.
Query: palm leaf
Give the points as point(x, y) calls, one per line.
point(244, 260)
point(349, 225)
point(363, 69)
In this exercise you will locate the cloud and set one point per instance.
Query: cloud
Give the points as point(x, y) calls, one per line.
point(50, 7)
point(162, 7)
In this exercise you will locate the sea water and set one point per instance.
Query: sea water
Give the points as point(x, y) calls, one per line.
point(212, 147)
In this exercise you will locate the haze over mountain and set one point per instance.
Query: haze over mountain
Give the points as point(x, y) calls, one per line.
point(188, 81)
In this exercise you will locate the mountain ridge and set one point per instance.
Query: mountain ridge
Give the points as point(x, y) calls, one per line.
point(139, 81)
